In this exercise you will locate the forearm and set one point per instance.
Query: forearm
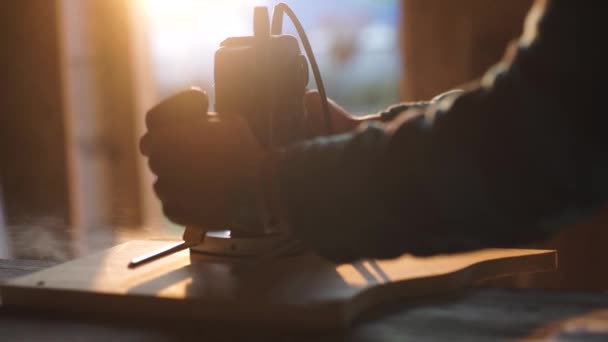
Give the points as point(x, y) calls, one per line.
point(499, 165)
point(392, 112)
point(343, 121)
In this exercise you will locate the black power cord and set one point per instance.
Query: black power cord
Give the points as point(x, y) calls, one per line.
point(277, 28)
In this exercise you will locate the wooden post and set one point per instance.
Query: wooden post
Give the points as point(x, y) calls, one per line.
point(32, 147)
point(97, 72)
point(449, 43)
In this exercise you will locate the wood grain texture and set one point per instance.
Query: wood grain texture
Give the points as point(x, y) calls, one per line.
point(304, 291)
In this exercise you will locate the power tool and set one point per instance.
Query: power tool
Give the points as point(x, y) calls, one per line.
point(262, 77)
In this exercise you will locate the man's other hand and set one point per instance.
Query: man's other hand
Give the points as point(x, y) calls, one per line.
point(201, 159)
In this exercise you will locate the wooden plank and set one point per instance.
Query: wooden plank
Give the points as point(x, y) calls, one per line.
point(303, 291)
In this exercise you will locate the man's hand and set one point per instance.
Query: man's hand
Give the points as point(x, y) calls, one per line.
point(201, 160)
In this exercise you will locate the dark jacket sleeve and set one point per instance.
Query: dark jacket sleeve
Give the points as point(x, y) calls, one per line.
point(509, 162)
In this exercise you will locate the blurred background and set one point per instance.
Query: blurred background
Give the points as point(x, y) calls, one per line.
point(355, 42)
point(84, 74)
point(79, 76)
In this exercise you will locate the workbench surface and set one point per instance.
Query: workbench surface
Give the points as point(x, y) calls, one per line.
point(477, 314)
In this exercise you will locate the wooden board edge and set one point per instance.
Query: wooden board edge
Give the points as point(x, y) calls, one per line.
point(104, 305)
point(544, 261)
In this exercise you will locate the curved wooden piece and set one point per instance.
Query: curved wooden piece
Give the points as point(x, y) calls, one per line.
point(304, 290)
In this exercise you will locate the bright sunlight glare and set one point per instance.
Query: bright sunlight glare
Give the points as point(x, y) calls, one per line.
point(184, 34)
point(212, 19)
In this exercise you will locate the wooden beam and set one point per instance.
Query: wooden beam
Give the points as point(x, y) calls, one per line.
point(32, 149)
point(100, 111)
point(449, 43)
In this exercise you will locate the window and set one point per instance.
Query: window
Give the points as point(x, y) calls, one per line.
point(355, 43)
